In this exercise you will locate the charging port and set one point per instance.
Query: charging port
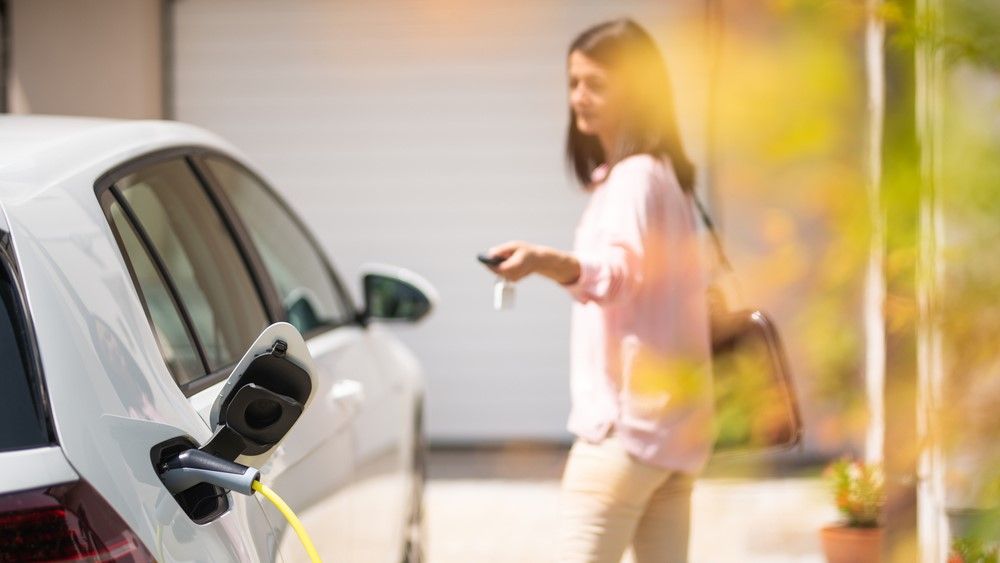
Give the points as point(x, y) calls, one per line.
point(202, 502)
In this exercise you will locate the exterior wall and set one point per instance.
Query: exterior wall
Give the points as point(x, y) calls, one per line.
point(86, 57)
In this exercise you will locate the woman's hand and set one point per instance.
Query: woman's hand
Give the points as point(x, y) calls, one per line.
point(522, 259)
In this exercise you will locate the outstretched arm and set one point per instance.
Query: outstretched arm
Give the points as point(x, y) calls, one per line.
point(611, 269)
point(608, 275)
point(522, 259)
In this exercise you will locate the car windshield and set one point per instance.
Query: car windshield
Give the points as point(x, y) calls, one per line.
point(22, 418)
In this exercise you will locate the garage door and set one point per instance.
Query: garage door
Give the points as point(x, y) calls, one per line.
point(419, 133)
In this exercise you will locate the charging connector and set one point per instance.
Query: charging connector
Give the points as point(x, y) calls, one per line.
point(192, 467)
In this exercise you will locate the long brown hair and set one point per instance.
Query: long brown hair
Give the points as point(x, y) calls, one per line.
point(650, 125)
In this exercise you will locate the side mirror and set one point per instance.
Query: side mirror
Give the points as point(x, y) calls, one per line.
point(265, 394)
point(396, 294)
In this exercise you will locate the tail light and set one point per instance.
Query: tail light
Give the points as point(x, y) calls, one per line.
point(69, 522)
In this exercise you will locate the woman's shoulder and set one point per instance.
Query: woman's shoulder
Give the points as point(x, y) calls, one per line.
point(644, 173)
point(642, 162)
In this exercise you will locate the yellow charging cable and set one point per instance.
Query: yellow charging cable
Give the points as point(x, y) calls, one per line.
point(290, 516)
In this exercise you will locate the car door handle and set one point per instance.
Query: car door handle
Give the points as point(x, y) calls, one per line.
point(347, 393)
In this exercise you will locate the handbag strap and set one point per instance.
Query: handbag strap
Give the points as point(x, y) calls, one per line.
point(720, 253)
point(706, 219)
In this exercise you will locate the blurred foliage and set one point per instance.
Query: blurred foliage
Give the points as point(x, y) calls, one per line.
point(973, 550)
point(791, 108)
point(964, 136)
point(969, 191)
point(970, 32)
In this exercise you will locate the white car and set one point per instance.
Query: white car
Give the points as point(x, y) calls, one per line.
point(152, 286)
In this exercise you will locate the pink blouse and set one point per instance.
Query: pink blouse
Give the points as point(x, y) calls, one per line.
point(640, 343)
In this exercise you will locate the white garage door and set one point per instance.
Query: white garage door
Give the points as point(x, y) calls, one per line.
point(418, 133)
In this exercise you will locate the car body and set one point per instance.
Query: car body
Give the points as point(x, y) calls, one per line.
point(140, 260)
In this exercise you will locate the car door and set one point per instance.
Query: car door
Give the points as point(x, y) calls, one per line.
point(204, 311)
point(313, 301)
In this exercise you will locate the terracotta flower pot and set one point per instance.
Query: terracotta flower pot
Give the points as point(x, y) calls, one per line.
point(852, 545)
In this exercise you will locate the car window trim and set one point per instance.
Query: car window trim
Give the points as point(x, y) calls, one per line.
point(23, 322)
point(347, 304)
point(161, 270)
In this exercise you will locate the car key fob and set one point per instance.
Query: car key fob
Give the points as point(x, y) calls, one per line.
point(490, 260)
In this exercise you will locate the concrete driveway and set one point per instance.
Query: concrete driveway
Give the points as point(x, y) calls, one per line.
point(502, 506)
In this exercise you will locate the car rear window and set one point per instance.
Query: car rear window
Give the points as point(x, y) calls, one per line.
point(22, 415)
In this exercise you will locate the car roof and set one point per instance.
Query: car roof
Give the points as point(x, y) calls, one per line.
point(37, 151)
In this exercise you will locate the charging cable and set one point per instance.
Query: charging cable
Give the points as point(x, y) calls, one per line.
point(192, 467)
point(293, 520)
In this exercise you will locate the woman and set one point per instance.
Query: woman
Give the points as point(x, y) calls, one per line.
point(641, 390)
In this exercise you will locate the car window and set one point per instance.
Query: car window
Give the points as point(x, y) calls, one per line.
point(172, 336)
point(200, 257)
point(22, 422)
point(307, 289)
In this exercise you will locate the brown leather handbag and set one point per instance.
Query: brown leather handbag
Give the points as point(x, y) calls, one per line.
point(756, 409)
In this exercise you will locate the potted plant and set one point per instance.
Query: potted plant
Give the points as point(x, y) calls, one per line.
point(859, 492)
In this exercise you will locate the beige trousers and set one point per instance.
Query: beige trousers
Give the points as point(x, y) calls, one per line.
point(611, 501)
